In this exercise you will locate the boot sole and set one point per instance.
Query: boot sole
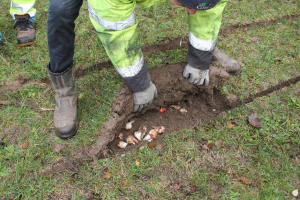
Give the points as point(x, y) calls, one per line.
point(26, 44)
point(67, 136)
point(235, 73)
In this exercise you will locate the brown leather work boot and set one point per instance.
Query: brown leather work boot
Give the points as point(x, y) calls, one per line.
point(232, 66)
point(25, 30)
point(65, 113)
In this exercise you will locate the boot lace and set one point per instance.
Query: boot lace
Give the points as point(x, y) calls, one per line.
point(24, 25)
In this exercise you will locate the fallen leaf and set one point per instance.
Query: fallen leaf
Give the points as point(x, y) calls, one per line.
point(229, 171)
point(229, 125)
point(210, 145)
point(161, 147)
point(245, 180)
point(177, 186)
point(143, 192)
point(205, 147)
point(295, 193)
point(107, 176)
point(239, 85)
point(219, 143)
point(169, 157)
point(137, 163)
point(259, 88)
point(106, 169)
point(202, 165)
point(254, 120)
point(57, 148)
point(297, 91)
point(125, 183)
point(193, 188)
point(25, 145)
point(255, 183)
point(9, 154)
point(250, 78)
point(142, 147)
point(45, 38)
point(174, 131)
point(283, 89)
point(152, 144)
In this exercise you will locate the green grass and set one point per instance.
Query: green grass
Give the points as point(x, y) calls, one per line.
point(268, 157)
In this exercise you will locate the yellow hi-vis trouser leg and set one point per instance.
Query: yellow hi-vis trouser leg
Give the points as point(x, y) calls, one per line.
point(204, 28)
point(115, 23)
point(22, 7)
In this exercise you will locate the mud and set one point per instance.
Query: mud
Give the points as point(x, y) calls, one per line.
point(202, 103)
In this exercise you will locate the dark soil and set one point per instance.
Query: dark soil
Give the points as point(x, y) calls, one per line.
point(202, 103)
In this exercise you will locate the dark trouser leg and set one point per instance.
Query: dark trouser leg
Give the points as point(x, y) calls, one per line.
point(60, 33)
point(61, 36)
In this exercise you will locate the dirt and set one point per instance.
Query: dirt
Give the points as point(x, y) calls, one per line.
point(202, 105)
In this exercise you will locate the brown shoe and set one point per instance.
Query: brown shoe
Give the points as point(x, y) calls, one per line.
point(25, 30)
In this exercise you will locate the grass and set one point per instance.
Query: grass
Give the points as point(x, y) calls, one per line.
point(268, 157)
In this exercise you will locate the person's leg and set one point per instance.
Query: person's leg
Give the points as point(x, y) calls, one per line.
point(61, 34)
point(61, 37)
point(204, 29)
point(23, 13)
point(116, 25)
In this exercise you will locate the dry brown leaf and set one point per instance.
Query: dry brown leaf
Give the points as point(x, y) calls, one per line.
point(177, 186)
point(239, 85)
point(161, 147)
point(245, 180)
point(25, 145)
point(229, 125)
point(125, 183)
point(219, 143)
point(205, 147)
point(152, 144)
point(57, 148)
point(143, 192)
point(254, 120)
point(137, 163)
point(297, 91)
point(107, 176)
point(169, 157)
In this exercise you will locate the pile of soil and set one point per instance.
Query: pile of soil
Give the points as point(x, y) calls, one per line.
point(202, 103)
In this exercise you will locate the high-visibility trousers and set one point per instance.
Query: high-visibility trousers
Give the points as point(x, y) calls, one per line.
point(116, 25)
point(22, 7)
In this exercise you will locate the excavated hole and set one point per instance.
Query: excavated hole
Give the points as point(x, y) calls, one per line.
point(201, 107)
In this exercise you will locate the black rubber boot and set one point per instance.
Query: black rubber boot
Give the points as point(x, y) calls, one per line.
point(65, 113)
point(232, 66)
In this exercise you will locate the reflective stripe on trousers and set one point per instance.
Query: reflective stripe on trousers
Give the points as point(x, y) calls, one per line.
point(22, 7)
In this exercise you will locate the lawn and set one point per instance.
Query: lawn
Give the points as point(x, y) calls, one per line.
point(250, 162)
